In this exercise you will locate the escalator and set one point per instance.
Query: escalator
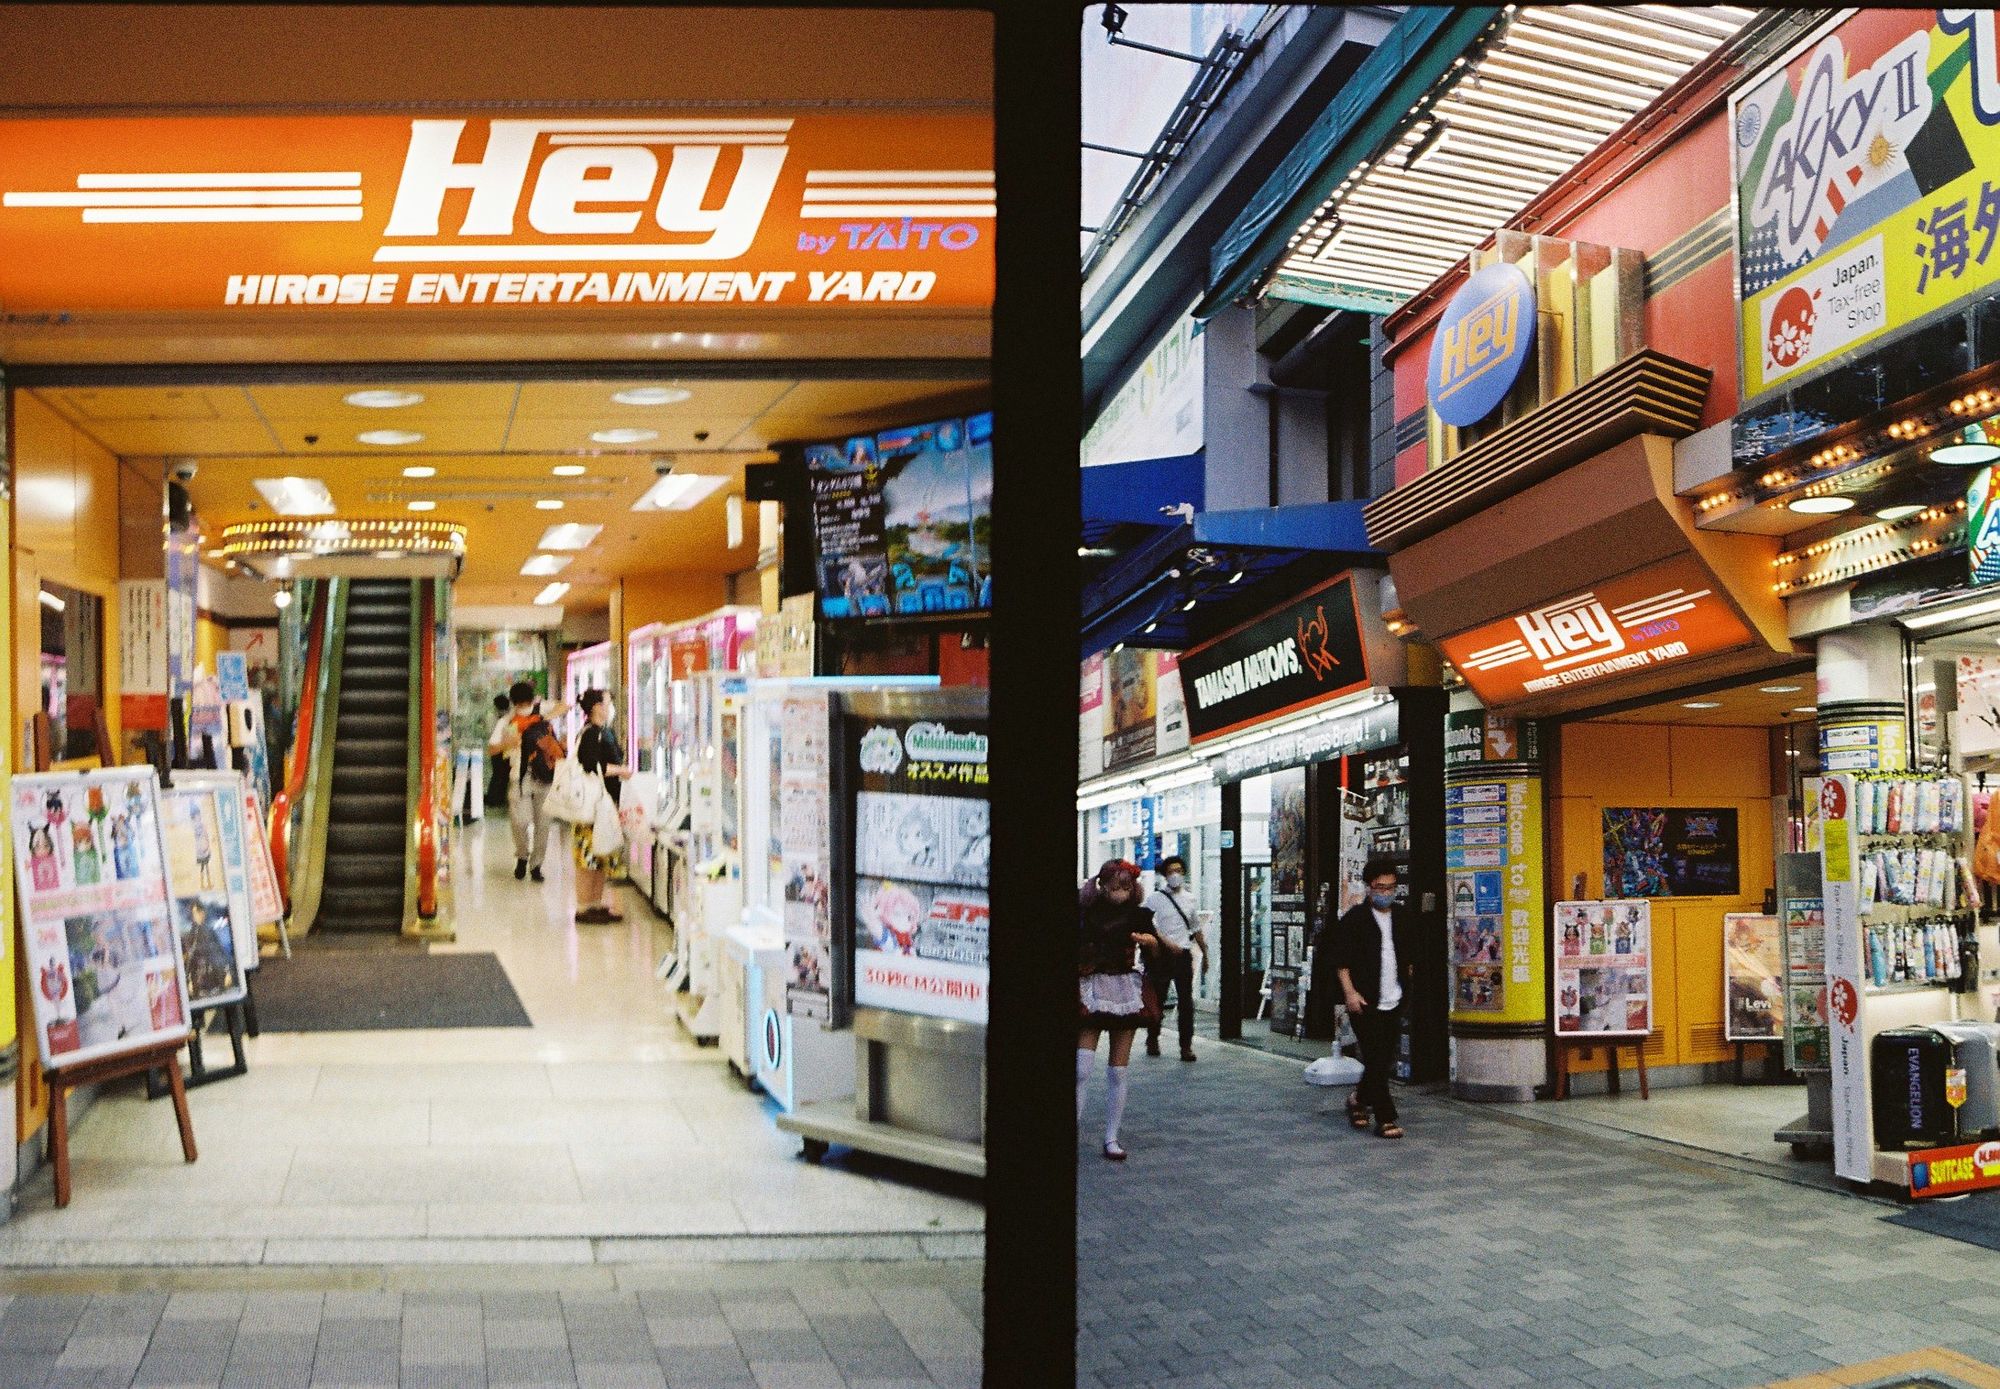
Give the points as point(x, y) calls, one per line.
point(368, 811)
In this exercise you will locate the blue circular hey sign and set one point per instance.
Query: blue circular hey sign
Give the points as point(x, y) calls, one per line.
point(1485, 336)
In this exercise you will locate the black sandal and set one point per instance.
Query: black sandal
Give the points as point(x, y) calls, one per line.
point(1392, 1129)
point(1357, 1115)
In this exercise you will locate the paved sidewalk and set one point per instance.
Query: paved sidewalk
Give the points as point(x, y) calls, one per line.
point(772, 1326)
point(1255, 1239)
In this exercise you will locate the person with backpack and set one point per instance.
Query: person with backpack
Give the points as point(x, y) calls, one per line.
point(529, 740)
point(1173, 909)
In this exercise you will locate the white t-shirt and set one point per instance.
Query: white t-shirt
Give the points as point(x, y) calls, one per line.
point(1390, 990)
point(1172, 926)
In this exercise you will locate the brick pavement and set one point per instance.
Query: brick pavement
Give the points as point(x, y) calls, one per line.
point(855, 1326)
point(1254, 1239)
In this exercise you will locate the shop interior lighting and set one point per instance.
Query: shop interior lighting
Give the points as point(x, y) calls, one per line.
point(569, 470)
point(551, 595)
point(50, 601)
point(422, 505)
point(680, 492)
point(1902, 511)
point(649, 395)
point(1968, 449)
point(1779, 689)
point(389, 438)
point(548, 504)
point(392, 554)
point(1701, 704)
point(632, 435)
point(1821, 506)
point(1953, 614)
point(295, 496)
point(420, 470)
point(545, 566)
point(282, 598)
point(570, 535)
point(383, 400)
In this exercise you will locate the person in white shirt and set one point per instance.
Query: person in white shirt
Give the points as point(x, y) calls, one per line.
point(1372, 946)
point(1172, 906)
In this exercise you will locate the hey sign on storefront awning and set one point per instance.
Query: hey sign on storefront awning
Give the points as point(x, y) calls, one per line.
point(1304, 653)
point(344, 213)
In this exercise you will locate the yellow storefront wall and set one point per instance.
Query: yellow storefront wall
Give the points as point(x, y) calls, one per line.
point(1600, 765)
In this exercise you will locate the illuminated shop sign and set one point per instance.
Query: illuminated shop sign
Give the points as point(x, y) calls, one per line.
point(1982, 528)
point(1486, 333)
point(1304, 653)
point(247, 213)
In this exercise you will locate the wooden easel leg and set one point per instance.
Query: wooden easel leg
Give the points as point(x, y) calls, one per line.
point(1639, 1055)
point(181, 1114)
point(59, 1139)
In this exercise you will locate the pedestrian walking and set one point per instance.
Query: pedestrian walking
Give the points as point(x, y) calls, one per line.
point(531, 743)
point(1172, 966)
point(1373, 949)
point(496, 751)
point(598, 751)
point(1112, 993)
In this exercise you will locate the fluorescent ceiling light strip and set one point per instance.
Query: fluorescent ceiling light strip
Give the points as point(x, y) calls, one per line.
point(1385, 201)
point(899, 176)
point(282, 180)
point(1526, 165)
point(1595, 120)
point(1345, 270)
point(1417, 251)
point(1452, 160)
point(221, 214)
point(1938, 619)
point(1636, 36)
point(1527, 67)
point(1425, 180)
point(1524, 131)
point(827, 193)
point(1374, 254)
point(551, 595)
point(1715, 21)
point(1506, 86)
point(206, 198)
point(897, 210)
point(1638, 74)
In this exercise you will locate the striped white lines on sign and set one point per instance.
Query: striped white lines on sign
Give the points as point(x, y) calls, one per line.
point(209, 197)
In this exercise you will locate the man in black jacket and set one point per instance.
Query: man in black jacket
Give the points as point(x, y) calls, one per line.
point(1374, 950)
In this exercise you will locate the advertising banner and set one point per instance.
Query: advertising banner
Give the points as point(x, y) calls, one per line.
point(1806, 1034)
point(1604, 968)
point(800, 831)
point(1753, 977)
point(1865, 192)
point(348, 214)
point(1676, 851)
point(1288, 900)
point(1496, 895)
point(1652, 617)
point(198, 884)
point(103, 961)
point(1841, 906)
point(1953, 1171)
point(267, 904)
point(142, 653)
point(922, 844)
point(228, 789)
point(1295, 656)
point(1157, 413)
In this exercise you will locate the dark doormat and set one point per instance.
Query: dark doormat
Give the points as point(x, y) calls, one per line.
point(367, 991)
point(1975, 1219)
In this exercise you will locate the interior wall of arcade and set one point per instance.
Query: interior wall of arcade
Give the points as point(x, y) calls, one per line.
point(1601, 765)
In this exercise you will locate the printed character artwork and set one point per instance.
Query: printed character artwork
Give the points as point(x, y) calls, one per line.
point(208, 946)
point(1480, 988)
point(1753, 968)
point(1476, 940)
point(974, 854)
point(83, 853)
point(1572, 938)
point(200, 900)
point(204, 844)
point(929, 838)
point(1597, 925)
point(893, 915)
point(42, 869)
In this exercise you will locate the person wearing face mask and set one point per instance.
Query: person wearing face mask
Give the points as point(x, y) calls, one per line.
point(1373, 949)
point(1112, 994)
point(1172, 906)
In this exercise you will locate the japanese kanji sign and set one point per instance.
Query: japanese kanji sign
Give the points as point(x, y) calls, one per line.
point(1867, 169)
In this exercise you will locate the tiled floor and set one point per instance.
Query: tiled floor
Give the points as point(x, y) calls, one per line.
point(602, 1133)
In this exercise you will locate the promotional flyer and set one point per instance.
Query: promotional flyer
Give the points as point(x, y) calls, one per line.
point(1670, 852)
point(1753, 968)
point(103, 962)
point(801, 835)
point(1604, 968)
point(197, 878)
point(1806, 1030)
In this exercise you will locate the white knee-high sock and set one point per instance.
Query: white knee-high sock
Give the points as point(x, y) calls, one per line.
point(1085, 1060)
point(1114, 1101)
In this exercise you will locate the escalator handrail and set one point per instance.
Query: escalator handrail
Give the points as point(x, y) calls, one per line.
point(310, 812)
point(426, 816)
point(279, 827)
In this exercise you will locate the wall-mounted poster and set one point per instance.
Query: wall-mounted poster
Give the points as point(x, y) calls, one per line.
point(1604, 968)
point(1288, 898)
point(234, 852)
point(198, 881)
point(103, 961)
point(922, 844)
point(1753, 974)
point(1652, 851)
point(800, 784)
point(1808, 1038)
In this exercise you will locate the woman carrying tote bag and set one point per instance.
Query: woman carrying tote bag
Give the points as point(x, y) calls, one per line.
point(600, 852)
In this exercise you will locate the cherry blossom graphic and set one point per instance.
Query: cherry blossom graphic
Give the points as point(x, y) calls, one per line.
point(1789, 339)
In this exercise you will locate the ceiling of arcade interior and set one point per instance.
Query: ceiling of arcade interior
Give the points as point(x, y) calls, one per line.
point(494, 446)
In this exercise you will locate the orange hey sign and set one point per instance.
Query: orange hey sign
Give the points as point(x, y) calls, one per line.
point(1641, 621)
point(341, 213)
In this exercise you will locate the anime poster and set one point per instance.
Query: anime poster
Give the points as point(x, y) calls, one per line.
point(267, 903)
point(198, 881)
point(1670, 852)
point(1131, 676)
point(802, 845)
point(1753, 973)
point(102, 962)
point(1604, 971)
point(234, 853)
point(922, 850)
point(847, 509)
point(1808, 1033)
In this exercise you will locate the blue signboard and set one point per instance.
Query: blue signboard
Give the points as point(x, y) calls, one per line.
point(1486, 335)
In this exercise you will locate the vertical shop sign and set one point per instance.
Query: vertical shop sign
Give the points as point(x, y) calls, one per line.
point(802, 838)
point(1493, 856)
point(1288, 898)
point(1133, 730)
point(1852, 1157)
point(1604, 968)
point(142, 653)
point(1090, 719)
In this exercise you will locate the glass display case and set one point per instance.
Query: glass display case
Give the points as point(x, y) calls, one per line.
point(590, 668)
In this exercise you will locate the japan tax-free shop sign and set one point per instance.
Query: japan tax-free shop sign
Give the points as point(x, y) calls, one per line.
point(1867, 185)
point(434, 210)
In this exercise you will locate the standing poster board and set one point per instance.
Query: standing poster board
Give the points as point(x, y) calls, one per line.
point(198, 885)
point(103, 960)
point(227, 789)
point(1753, 977)
point(267, 903)
point(1604, 968)
point(1807, 1036)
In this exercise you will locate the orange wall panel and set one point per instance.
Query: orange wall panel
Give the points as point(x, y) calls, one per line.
point(1729, 763)
point(1615, 759)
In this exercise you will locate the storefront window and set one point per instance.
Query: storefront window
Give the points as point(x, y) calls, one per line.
point(72, 674)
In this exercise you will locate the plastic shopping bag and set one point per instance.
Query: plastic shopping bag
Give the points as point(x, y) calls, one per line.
point(607, 836)
point(637, 801)
point(1334, 1070)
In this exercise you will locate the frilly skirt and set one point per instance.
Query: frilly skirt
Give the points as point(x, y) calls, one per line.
point(1116, 1002)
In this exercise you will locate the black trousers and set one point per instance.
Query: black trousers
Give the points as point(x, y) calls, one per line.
point(1377, 1032)
point(1178, 971)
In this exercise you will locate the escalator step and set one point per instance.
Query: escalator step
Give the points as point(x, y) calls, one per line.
point(364, 870)
point(398, 680)
point(382, 781)
point(366, 809)
point(354, 838)
point(374, 701)
point(376, 654)
point(369, 752)
point(380, 633)
point(369, 908)
point(355, 723)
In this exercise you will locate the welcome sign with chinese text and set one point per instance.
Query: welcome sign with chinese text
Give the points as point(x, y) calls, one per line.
point(1867, 169)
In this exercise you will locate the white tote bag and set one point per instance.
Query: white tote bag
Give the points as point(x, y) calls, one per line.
point(607, 836)
point(574, 794)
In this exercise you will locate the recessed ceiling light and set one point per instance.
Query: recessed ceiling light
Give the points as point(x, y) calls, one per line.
point(1822, 506)
point(1806, 709)
point(215, 554)
point(389, 438)
point(542, 566)
point(420, 470)
point(1779, 689)
point(295, 496)
point(390, 554)
point(679, 492)
point(624, 436)
point(549, 504)
point(568, 470)
point(1900, 512)
point(1967, 449)
point(651, 395)
point(570, 535)
point(1701, 704)
point(423, 506)
point(383, 400)
point(551, 595)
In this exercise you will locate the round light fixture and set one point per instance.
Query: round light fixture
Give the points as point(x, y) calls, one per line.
point(1779, 689)
point(624, 436)
point(282, 598)
point(1822, 506)
point(651, 395)
point(423, 506)
point(549, 504)
point(389, 554)
point(1701, 704)
point(568, 470)
point(1967, 449)
point(389, 438)
point(1902, 511)
point(420, 470)
point(383, 400)
point(1806, 709)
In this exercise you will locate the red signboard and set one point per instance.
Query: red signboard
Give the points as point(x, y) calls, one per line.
point(1949, 1171)
point(1653, 617)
